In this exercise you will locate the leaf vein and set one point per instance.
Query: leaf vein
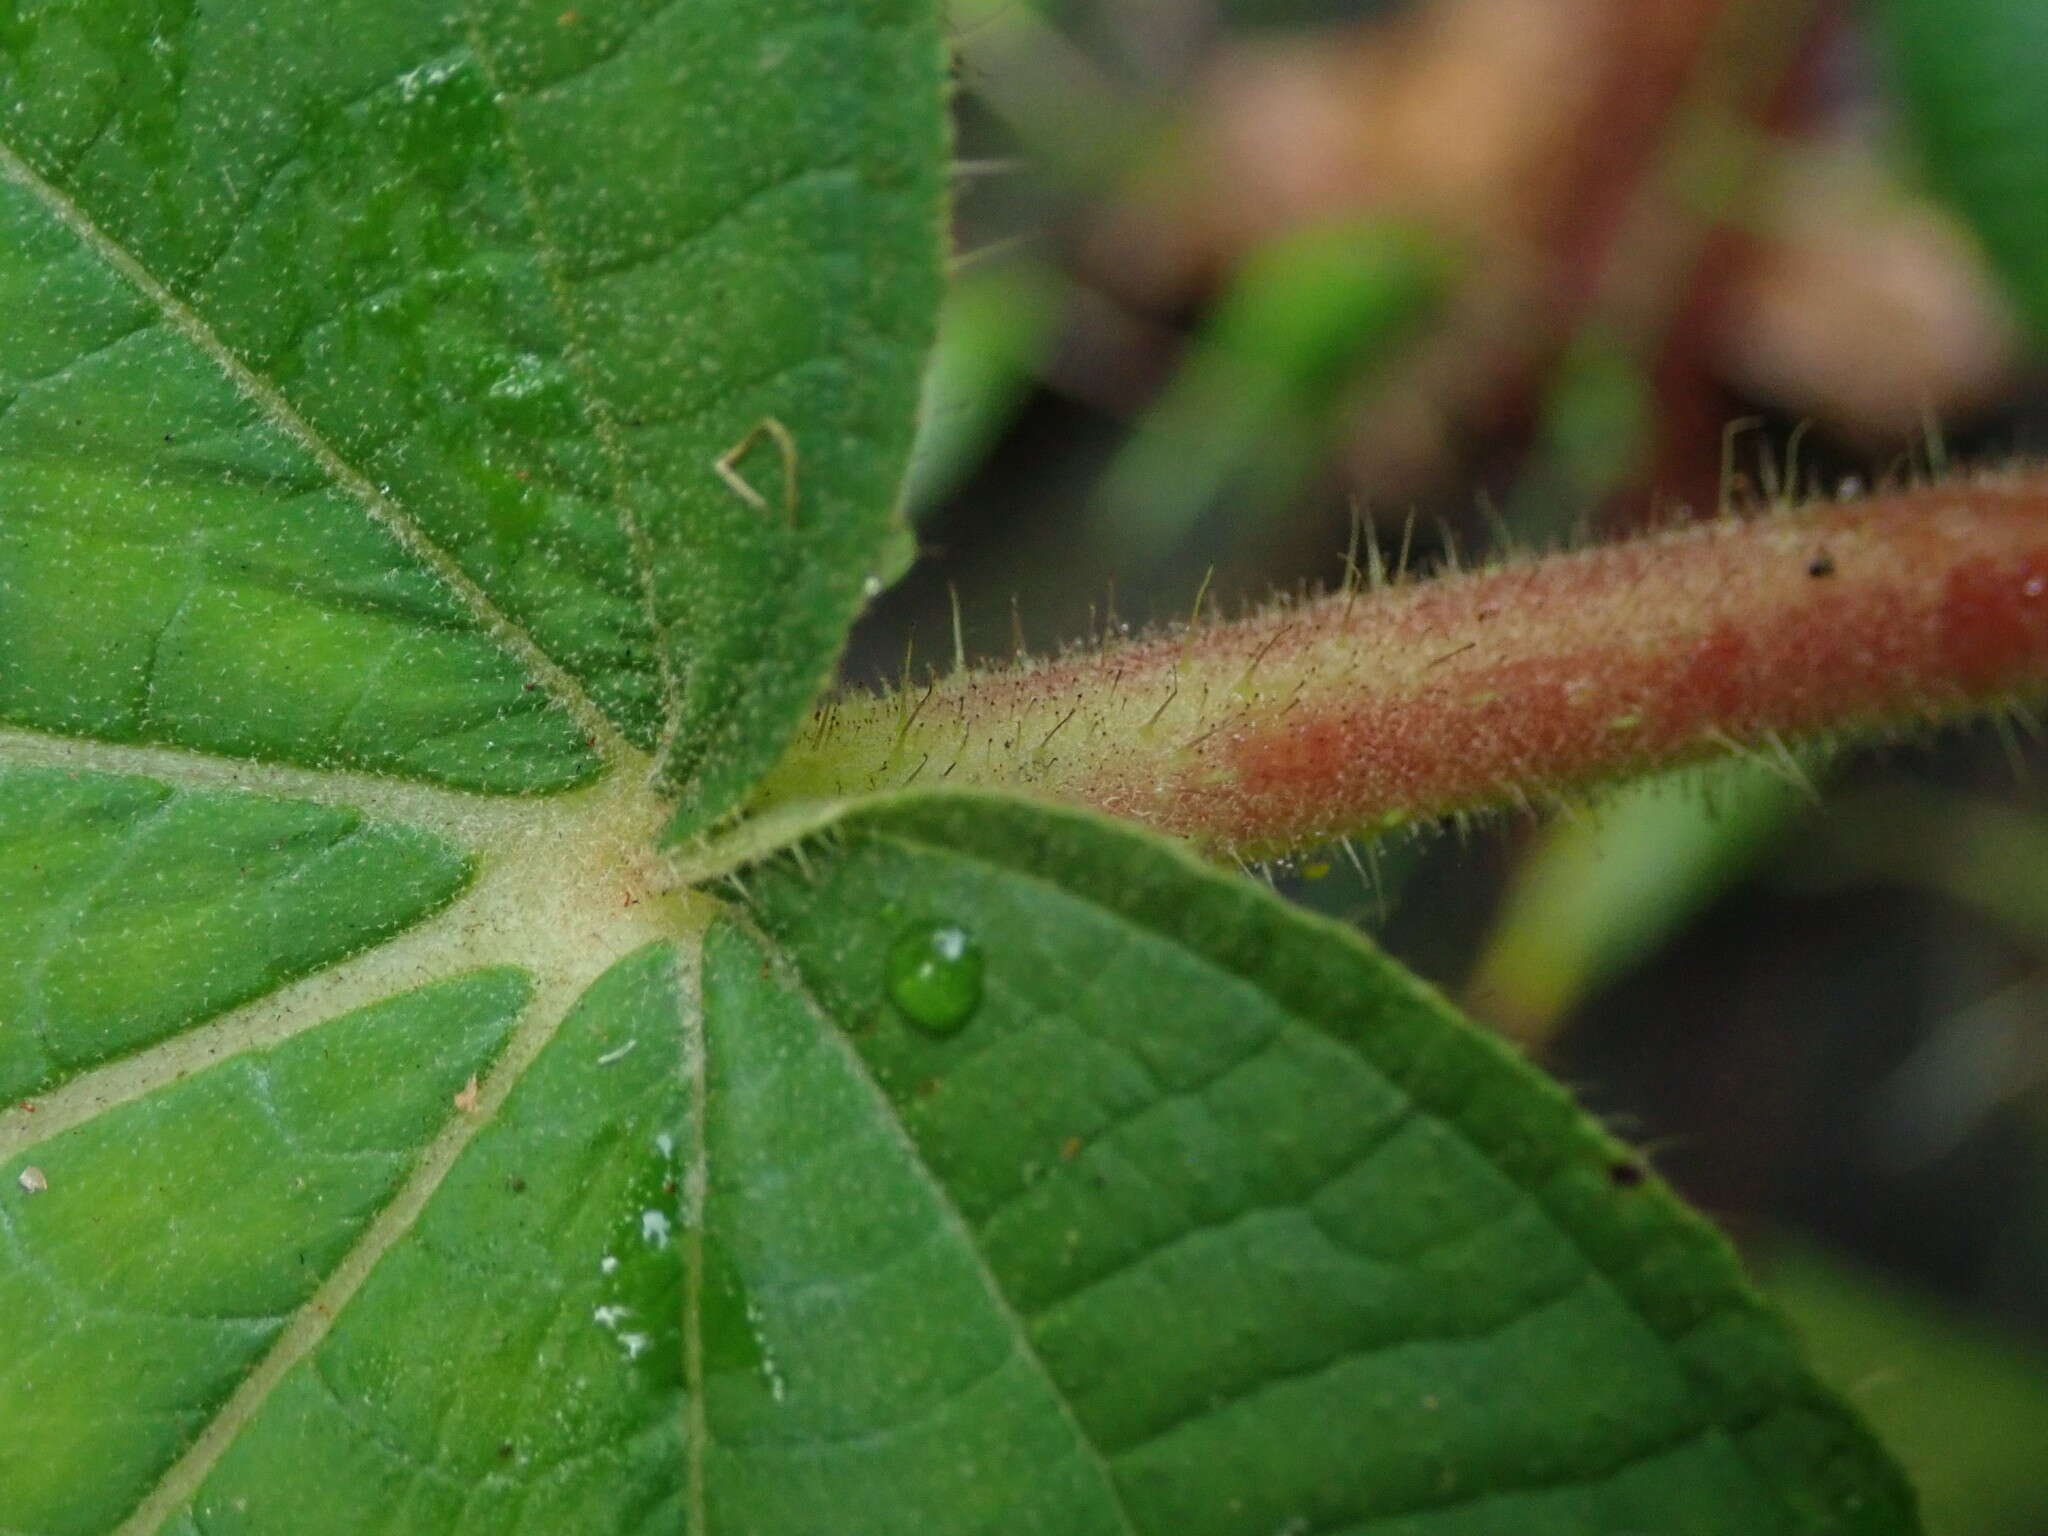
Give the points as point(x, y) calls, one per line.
point(560, 684)
point(1014, 1322)
point(1609, 1278)
point(603, 426)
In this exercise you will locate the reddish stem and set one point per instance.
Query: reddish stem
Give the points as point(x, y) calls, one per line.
point(1364, 710)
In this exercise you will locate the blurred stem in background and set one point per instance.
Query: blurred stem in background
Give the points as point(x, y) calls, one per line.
point(995, 332)
point(1310, 320)
point(1600, 891)
point(1622, 416)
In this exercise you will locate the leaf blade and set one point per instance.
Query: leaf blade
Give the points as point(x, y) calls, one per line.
point(257, 1178)
point(871, 1351)
point(762, 439)
point(137, 911)
point(369, 255)
point(1295, 1244)
point(513, 1363)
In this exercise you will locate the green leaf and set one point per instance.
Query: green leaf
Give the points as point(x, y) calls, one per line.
point(514, 1364)
point(1973, 75)
point(214, 898)
point(302, 309)
point(387, 427)
point(1209, 1220)
point(178, 1236)
point(267, 1137)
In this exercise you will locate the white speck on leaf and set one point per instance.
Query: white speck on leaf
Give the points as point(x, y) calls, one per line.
point(654, 1228)
point(528, 375)
point(34, 1180)
point(415, 81)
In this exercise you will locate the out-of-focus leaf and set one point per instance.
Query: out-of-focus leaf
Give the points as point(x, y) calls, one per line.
point(1308, 318)
point(993, 333)
point(1963, 1405)
point(1974, 75)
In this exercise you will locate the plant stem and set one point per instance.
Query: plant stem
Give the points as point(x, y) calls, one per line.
point(1402, 701)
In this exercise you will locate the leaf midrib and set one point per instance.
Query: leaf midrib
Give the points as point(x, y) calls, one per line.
point(955, 1222)
point(604, 427)
point(563, 945)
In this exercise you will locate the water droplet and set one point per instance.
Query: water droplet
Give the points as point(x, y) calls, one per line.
point(727, 1316)
point(934, 976)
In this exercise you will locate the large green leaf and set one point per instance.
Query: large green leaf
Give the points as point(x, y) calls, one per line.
point(608, 317)
point(440, 451)
point(1206, 1219)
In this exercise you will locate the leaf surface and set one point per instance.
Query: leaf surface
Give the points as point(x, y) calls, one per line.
point(400, 371)
point(214, 898)
point(440, 447)
point(278, 1049)
point(514, 1363)
point(1208, 1220)
point(234, 1195)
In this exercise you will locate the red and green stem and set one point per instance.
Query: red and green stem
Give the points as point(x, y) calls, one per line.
point(1403, 701)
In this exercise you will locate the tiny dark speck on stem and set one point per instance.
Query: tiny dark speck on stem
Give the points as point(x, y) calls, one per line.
point(1822, 565)
point(1626, 1174)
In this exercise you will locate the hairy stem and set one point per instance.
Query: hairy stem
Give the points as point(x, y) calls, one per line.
point(1402, 701)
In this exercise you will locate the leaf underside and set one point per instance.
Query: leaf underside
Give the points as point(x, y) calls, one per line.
point(440, 452)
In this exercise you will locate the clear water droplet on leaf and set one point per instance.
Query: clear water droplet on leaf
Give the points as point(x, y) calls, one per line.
point(934, 976)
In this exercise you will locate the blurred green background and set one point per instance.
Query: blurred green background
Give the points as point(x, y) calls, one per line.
point(1235, 275)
